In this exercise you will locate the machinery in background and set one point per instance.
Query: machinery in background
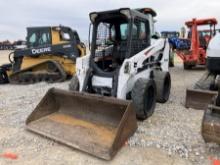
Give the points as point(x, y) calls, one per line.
point(171, 35)
point(201, 94)
point(20, 44)
point(193, 49)
point(50, 56)
point(123, 77)
point(6, 45)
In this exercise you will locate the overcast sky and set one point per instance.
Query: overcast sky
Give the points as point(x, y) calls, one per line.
point(16, 15)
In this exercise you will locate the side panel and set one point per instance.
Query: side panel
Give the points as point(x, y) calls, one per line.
point(140, 66)
point(82, 66)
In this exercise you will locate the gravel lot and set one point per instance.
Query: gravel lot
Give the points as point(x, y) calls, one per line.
point(171, 136)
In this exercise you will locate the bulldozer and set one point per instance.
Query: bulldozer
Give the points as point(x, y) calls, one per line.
point(50, 56)
point(122, 78)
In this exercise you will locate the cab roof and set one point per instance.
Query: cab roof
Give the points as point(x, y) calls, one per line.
point(208, 21)
point(49, 27)
point(141, 12)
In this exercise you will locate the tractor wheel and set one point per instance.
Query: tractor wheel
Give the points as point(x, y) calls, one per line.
point(163, 84)
point(74, 84)
point(144, 98)
point(187, 66)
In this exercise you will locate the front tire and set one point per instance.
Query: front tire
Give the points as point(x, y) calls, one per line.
point(144, 98)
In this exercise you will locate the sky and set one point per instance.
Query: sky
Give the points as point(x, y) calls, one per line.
point(16, 15)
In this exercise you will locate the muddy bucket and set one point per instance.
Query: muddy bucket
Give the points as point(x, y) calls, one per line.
point(95, 124)
point(211, 124)
point(199, 99)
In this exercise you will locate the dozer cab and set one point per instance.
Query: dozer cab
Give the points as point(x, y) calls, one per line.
point(50, 56)
point(121, 79)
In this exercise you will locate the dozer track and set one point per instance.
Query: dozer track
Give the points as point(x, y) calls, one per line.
point(49, 71)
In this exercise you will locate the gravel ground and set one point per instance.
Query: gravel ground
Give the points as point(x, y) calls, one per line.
point(175, 128)
point(171, 136)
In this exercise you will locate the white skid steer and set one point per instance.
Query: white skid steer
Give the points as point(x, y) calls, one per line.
point(121, 79)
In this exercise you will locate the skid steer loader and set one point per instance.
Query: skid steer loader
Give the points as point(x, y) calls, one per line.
point(200, 95)
point(50, 56)
point(122, 78)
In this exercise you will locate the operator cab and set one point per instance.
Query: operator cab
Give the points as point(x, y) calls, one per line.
point(46, 36)
point(38, 36)
point(113, 34)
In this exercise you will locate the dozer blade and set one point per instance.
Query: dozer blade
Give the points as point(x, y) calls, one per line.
point(199, 99)
point(95, 124)
point(211, 124)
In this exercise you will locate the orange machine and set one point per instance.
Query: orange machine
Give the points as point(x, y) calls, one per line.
point(196, 55)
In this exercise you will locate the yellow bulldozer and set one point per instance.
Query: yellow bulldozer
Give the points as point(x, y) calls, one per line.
point(50, 55)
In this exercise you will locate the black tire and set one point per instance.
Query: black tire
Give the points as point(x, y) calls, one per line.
point(144, 98)
point(74, 84)
point(187, 66)
point(171, 64)
point(163, 84)
point(3, 76)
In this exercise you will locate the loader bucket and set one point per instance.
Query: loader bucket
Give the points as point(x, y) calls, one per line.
point(199, 99)
point(211, 124)
point(94, 124)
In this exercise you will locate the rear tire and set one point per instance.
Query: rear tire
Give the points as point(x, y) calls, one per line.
point(74, 84)
point(187, 66)
point(163, 84)
point(144, 98)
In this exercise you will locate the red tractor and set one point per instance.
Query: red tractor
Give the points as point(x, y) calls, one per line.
point(199, 39)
